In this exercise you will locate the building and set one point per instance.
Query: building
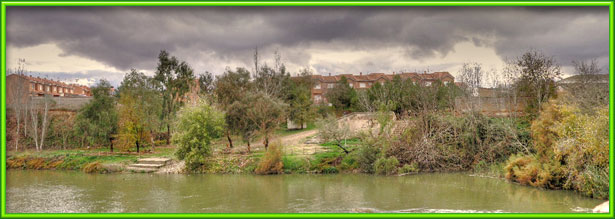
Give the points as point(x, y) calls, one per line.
point(361, 81)
point(37, 86)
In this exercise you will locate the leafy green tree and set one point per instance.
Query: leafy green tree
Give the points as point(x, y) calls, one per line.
point(96, 122)
point(174, 79)
point(300, 108)
point(196, 127)
point(139, 108)
point(230, 87)
point(266, 113)
point(342, 96)
point(538, 73)
point(238, 123)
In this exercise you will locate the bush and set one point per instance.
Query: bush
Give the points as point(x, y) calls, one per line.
point(386, 166)
point(572, 148)
point(271, 163)
point(94, 167)
point(406, 169)
point(196, 126)
point(440, 142)
point(367, 154)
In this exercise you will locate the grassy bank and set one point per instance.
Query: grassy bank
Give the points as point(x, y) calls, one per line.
point(94, 160)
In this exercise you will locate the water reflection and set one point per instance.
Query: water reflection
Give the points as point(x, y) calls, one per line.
point(58, 191)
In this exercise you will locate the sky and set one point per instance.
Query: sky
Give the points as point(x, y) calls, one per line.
point(85, 44)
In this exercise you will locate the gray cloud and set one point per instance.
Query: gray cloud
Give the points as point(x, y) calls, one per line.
point(131, 37)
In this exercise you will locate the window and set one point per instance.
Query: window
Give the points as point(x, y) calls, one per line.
point(317, 86)
point(47, 88)
point(446, 82)
point(32, 86)
point(428, 83)
point(350, 84)
point(331, 85)
point(362, 85)
point(55, 89)
point(317, 98)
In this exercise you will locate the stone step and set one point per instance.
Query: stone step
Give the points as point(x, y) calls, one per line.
point(141, 170)
point(146, 165)
point(154, 160)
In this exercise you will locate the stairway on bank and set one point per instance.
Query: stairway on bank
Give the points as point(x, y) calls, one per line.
point(148, 165)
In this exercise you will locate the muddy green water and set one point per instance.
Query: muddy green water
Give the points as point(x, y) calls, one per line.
point(67, 191)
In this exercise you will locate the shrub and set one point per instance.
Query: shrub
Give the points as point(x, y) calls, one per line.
point(94, 167)
point(408, 168)
point(271, 163)
point(196, 126)
point(571, 147)
point(440, 142)
point(386, 166)
point(367, 154)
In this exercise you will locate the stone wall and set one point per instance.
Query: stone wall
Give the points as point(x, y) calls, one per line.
point(492, 106)
point(65, 103)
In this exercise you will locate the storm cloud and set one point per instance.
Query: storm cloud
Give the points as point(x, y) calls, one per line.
point(210, 38)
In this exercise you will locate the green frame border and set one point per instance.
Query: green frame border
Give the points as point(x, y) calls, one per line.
point(4, 4)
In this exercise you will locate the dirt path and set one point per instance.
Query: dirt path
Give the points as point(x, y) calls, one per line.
point(293, 144)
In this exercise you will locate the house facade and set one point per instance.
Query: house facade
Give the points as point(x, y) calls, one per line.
point(37, 86)
point(365, 81)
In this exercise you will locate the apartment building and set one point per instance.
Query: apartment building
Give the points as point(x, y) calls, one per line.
point(365, 81)
point(41, 86)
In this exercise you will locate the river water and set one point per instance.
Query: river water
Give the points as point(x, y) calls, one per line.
point(71, 191)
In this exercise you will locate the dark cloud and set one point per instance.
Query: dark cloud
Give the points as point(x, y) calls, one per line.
point(131, 37)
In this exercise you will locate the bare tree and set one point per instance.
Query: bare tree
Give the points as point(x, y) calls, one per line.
point(589, 88)
point(332, 130)
point(39, 112)
point(472, 74)
point(511, 75)
point(19, 94)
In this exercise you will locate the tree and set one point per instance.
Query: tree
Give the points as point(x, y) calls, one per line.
point(266, 113)
point(206, 84)
point(230, 87)
point(300, 108)
point(196, 127)
point(271, 81)
point(139, 108)
point(589, 89)
point(174, 79)
point(39, 112)
point(342, 96)
point(538, 73)
point(20, 98)
point(331, 130)
point(472, 74)
point(96, 121)
point(238, 124)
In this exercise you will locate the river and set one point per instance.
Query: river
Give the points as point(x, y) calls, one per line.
point(72, 191)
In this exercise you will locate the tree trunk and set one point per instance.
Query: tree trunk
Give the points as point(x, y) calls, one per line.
point(168, 134)
point(266, 142)
point(228, 137)
point(248, 146)
point(137, 146)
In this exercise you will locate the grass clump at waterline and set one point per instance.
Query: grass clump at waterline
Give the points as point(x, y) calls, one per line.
point(271, 162)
